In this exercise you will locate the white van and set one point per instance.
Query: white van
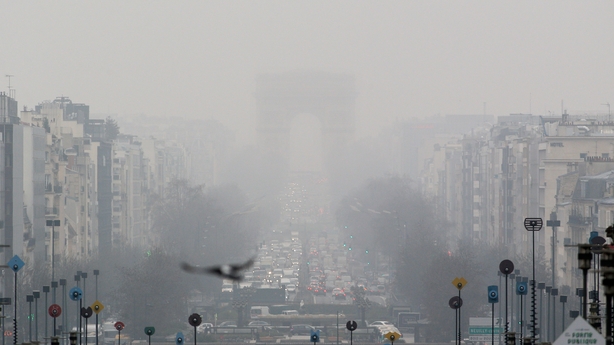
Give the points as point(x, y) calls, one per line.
point(257, 311)
point(289, 312)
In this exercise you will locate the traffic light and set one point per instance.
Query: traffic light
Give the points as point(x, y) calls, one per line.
point(366, 251)
point(493, 294)
point(521, 288)
point(344, 244)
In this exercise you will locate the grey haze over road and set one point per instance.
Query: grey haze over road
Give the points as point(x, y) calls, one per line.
point(410, 59)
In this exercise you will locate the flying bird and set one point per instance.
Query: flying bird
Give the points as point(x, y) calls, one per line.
point(233, 271)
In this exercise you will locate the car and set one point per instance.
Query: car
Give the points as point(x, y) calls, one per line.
point(291, 288)
point(319, 291)
point(259, 324)
point(338, 293)
point(301, 329)
point(204, 327)
point(381, 323)
point(228, 324)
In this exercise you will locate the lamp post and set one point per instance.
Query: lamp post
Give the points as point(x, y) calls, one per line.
point(548, 289)
point(541, 287)
point(96, 273)
point(30, 299)
point(78, 320)
point(36, 294)
point(584, 263)
point(563, 300)
point(554, 292)
point(533, 225)
point(46, 292)
point(607, 264)
point(53, 223)
point(65, 313)
point(84, 276)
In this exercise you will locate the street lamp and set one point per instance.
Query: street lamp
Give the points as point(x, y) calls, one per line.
point(65, 313)
point(53, 223)
point(84, 276)
point(30, 299)
point(78, 320)
point(46, 292)
point(584, 263)
point(96, 273)
point(36, 294)
point(607, 265)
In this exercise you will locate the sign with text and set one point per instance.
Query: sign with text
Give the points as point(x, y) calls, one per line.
point(580, 333)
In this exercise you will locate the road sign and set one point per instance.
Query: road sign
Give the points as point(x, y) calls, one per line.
point(179, 338)
point(533, 224)
point(195, 320)
point(580, 332)
point(521, 288)
point(150, 331)
point(459, 283)
point(455, 302)
point(5, 301)
point(506, 267)
point(75, 294)
point(119, 325)
point(493, 294)
point(315, 336)
point(97, 307)
point(55, 310)
point(16, 263)
point(553, 223)
point(392, 336)
point(86, 312)
point(351, 325)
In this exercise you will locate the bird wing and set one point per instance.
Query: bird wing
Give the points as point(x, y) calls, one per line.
point(243, 266)
point(200, 270)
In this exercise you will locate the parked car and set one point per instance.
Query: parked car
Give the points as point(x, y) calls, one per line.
point(301, 329)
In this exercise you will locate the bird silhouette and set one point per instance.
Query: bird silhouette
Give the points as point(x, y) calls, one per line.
point(233, 272)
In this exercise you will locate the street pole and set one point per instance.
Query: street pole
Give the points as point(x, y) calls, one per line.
point(96, 273)
point(563, 300)
point(554, 292)
point(78, 319)
point(65, 313)
point(548, 289)
point(53, 223)
point(585, 256)
point(533, 225)
point(553, 223)
point(541, 287)
point(30, 299)
point(500, 274)
point(37, 295)
point(84, 276)
point(46, 292)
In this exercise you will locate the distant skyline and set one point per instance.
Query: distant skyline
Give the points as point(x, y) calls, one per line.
point(410, 59)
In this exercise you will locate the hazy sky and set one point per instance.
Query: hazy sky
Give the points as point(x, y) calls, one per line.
point(410, 58)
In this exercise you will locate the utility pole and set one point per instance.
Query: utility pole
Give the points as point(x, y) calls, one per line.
point(553, 223)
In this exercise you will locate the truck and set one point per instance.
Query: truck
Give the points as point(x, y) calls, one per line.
point(288, 316)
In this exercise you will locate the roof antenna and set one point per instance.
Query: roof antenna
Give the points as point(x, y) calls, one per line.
point(11, 91)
